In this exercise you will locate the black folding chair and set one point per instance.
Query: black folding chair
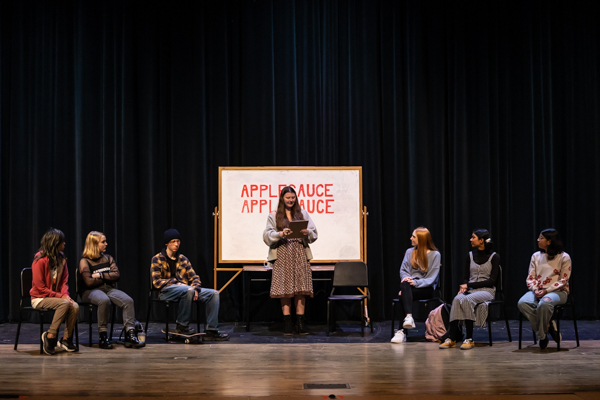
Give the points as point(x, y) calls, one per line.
point(350, 274)
point(25, 305)
point(427, 303)
point(90, 308)
point(498, 302)
point(153, 297)
point(556, 315)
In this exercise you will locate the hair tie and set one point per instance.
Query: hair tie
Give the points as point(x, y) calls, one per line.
point(488, 240)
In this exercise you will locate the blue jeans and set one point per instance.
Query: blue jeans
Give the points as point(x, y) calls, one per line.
point(539, 311)
point(185, 295)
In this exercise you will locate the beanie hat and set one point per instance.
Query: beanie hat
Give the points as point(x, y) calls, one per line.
point(171, 234)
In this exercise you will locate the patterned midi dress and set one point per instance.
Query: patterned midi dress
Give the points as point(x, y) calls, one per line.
point(464, 306)
point(291, 271)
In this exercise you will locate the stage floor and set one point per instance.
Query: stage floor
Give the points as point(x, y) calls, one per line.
point(264, 364)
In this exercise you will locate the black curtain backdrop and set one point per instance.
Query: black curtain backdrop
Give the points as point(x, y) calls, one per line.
point(115, 116)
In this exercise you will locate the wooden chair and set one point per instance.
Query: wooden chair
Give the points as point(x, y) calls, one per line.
point(25, 305)
point(90, 308)
point(351, 274)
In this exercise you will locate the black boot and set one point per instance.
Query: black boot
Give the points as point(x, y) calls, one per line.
point(301, 325)
point(288, 325)
point(104, 343)
point(131, 340)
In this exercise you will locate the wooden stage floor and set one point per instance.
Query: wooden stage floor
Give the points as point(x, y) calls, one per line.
point(229, 370)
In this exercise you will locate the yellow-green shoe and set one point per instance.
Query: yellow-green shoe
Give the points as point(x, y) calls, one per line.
point(447, 344)
point(468, 344)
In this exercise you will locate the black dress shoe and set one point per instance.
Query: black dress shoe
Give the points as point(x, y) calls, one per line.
point(215, 335)
point(103, 342)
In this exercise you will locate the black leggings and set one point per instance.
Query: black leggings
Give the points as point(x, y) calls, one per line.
point(455, 331)
point(411, 293)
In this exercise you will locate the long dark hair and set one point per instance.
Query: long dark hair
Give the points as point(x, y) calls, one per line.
point(555, 247)
point(487, 240)
point(49, 247)
point(281, 216)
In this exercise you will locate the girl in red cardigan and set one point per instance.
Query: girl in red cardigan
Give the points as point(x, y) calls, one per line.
point(50, 289)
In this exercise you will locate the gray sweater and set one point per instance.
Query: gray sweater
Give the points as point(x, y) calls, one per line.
point(421, 279)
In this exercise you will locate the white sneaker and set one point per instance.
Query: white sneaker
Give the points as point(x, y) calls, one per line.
point(399, 337)
point(409, 323)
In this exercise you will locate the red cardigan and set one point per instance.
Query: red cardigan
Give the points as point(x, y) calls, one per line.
point(42, 279)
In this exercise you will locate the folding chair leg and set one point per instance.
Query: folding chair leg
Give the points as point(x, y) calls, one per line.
point(90, 319)
point(328, 314)
point(112, 320)
point(362, 318)
point(41, 316)
point(148, 315)
point(167, 324)
point(393, 318)
point(559, 338)
point(18, 331)
point(489, 324)
point(520, 329)
point(197, 316)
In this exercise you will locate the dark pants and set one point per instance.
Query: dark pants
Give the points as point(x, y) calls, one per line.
point(411, 293)
point(455, 331)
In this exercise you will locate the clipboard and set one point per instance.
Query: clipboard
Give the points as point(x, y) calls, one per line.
point(296, 227)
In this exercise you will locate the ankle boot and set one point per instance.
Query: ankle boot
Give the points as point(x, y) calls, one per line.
point(103, 342)
point(301, 325)
point(131, 340)
point(288, 325)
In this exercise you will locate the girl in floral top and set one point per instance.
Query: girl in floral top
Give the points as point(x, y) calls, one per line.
point(548, 284)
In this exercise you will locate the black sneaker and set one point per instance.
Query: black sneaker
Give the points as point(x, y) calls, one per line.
point(185, 330)
point(215, 335)
point(553, 331)
point(48, 344)
point(67, 344)
point(544, 343)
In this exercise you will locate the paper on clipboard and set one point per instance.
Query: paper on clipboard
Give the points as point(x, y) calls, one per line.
point(296, 227)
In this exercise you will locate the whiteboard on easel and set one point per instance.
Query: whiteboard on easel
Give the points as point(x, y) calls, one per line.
point(331, 195)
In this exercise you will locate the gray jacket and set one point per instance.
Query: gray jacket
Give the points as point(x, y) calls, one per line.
point(273, 240)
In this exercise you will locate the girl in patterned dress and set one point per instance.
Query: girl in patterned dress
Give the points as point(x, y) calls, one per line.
point(479, 286)
point(292, 276)
point(548, 284)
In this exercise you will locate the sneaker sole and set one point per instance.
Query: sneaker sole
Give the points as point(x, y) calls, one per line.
point(65, 348)
point(407, 326)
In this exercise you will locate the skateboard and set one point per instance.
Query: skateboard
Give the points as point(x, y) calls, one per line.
point(187, 339)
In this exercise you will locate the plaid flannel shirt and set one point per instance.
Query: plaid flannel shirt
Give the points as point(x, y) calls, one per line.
point(161, 274)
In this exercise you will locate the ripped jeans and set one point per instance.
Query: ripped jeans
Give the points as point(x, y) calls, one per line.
point(539, 311)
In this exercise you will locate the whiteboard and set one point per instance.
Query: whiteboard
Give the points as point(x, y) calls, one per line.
point(331, 195)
